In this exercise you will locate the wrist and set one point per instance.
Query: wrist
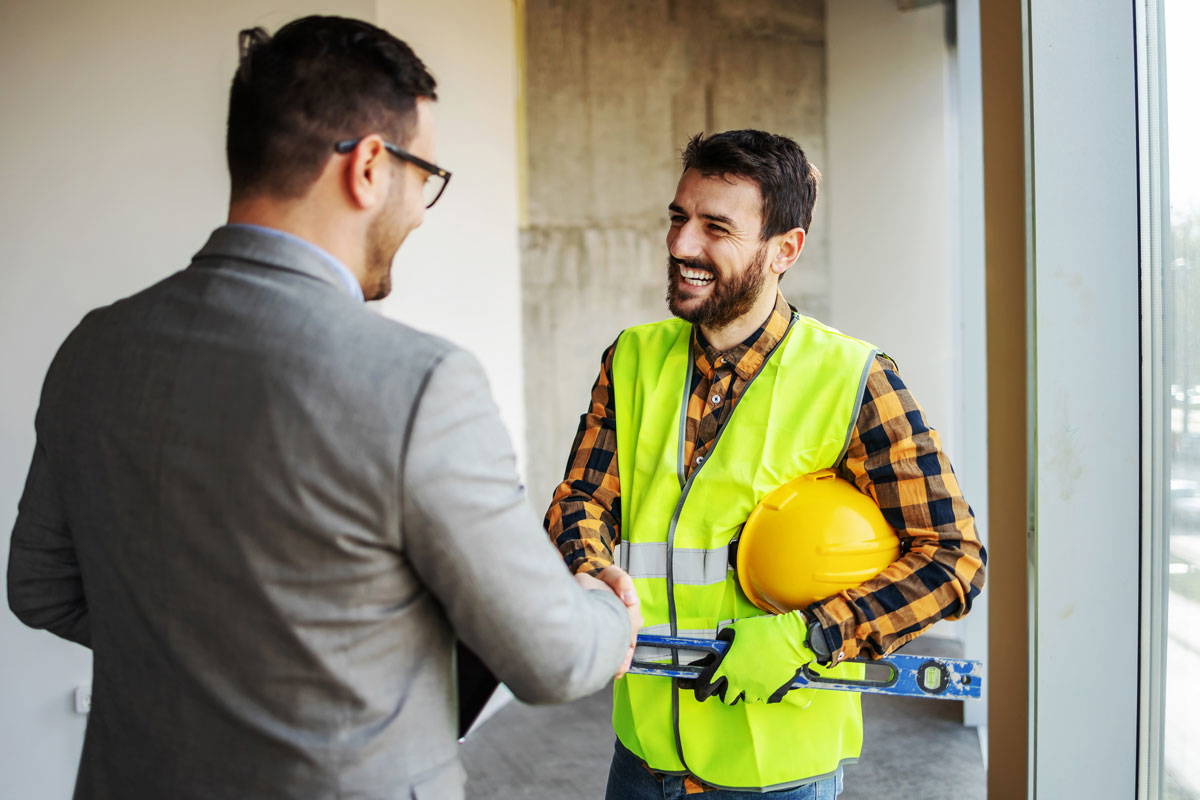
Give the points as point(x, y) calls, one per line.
point(592, 566)
point(815, 639)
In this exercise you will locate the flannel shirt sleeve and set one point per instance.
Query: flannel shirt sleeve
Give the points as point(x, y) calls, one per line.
point(584, 516)
point(896, 459)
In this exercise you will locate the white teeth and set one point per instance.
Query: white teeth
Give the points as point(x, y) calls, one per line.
point(695, 277)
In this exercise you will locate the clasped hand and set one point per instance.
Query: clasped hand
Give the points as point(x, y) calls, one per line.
point(618, 581)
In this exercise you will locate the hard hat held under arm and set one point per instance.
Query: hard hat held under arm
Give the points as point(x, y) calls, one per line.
point(820, 544)
point(811, 538)
point(808, 539)
point(896, 460)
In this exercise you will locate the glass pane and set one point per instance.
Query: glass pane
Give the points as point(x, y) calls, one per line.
point(1181, 272)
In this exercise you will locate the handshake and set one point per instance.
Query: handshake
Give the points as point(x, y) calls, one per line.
point(770, 654)
point(617, 580)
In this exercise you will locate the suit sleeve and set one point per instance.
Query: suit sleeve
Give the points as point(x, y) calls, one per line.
point(476, 544)
point(45, 587)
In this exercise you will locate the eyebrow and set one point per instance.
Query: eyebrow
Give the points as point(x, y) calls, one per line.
point(714, 217)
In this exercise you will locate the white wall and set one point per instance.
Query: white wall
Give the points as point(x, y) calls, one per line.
point(890, 185)
point(459, 274)
point(112, 118)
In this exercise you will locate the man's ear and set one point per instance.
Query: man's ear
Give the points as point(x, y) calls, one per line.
point(365, 174)
point(789, 245)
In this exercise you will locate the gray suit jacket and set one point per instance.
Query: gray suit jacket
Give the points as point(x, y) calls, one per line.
point(269, 511)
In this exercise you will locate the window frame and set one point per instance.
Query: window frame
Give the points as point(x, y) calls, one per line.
point(1085, 335)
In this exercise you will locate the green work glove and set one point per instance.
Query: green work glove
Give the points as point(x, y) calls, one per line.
point(765, 654)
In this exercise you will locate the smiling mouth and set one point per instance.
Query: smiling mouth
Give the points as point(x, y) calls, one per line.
point(695, 277)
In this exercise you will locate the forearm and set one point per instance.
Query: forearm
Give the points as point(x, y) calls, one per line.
point(542, 635)
point(45, 587)
point(583, 529)
point(932, 581)
point(896, 458)
point(473, 541)
point(46, 592)
point(584, 516)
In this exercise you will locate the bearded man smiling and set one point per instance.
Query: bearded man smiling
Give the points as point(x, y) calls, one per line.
point(706, 410)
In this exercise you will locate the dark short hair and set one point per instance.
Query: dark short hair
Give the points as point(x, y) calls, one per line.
point(316, 81)
point(785, 178)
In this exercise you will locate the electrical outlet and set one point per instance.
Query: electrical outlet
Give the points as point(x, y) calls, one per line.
point(83, 698)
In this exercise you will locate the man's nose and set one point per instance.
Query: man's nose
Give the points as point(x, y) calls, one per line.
point(683, 242)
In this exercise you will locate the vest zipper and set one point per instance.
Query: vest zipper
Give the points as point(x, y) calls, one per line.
point(685, 485)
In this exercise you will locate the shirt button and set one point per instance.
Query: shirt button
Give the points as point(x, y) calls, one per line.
point(699, 460)
point(715, 399)
point(720, 361)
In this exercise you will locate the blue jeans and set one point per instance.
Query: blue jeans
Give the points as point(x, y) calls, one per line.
point(628, 779)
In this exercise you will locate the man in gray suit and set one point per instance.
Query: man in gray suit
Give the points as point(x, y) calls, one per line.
point(267, 510)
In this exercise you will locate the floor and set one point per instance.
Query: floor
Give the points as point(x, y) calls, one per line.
point(913, 748)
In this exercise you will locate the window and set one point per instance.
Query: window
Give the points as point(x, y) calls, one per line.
point(1171, 270)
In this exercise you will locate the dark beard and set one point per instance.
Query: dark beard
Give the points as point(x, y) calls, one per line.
point(731, 297)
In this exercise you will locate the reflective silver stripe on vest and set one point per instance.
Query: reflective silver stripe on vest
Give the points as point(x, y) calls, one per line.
point(691, 566)
point(685, 656)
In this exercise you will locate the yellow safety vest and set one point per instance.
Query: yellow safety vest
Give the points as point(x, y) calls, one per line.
point(795, 417)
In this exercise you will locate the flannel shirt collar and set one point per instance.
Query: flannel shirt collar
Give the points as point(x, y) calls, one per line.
point(748, 357)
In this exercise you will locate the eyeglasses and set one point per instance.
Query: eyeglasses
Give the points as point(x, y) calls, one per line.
point(434, 185)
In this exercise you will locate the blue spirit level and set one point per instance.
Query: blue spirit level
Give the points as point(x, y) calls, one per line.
point(902, 674)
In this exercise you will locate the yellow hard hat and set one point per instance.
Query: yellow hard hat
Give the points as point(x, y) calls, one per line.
point(811, 538)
